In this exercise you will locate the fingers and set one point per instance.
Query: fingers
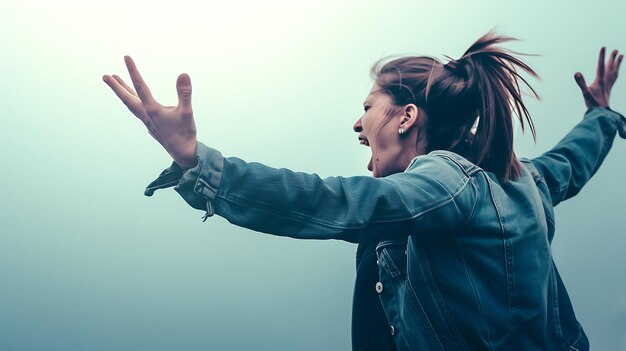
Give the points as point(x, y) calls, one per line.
point(600, 70)
point(613, 69)
point(131, 101)
point(611, 62)
point(122, 83)
point(580, 80)
point(140, 86)
point(183, 87)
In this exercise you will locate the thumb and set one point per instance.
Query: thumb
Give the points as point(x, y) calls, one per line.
point(580, 80)
point(183, 87)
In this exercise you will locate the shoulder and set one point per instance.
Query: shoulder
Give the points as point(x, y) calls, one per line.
point(530, 167)
point(443, 168)
point(443, 160)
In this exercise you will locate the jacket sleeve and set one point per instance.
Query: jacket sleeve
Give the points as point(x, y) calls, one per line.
point(576, 158)
point(432, 193)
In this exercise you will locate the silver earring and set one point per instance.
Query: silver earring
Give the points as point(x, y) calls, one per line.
point(401, 131)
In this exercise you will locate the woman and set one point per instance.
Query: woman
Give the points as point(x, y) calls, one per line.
point(453, 230)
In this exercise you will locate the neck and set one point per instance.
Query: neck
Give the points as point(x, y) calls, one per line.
point(413, 145)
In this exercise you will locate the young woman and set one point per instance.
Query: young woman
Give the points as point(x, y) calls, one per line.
point(453, 230)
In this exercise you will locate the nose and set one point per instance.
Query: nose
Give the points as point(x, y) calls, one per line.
point(357, 127)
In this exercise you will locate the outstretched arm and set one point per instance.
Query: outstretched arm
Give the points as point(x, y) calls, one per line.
point(434, 191)
point(574, 160)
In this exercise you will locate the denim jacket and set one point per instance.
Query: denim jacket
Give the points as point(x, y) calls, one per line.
point(464, 261)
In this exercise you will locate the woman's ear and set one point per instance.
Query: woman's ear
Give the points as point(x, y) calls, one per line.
point(411, 114)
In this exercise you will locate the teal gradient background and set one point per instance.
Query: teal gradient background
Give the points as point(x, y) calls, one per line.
point(87, 262)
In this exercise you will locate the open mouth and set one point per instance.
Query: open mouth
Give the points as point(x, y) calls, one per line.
point(363, 140)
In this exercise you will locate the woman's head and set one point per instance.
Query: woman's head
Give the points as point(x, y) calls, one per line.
point(417, 104)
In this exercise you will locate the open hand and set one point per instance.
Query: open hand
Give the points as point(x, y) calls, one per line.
point(172, 126)
point(599, 92)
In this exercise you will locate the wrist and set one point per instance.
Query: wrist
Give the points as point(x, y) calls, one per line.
point(185, 156)
point(187, 164)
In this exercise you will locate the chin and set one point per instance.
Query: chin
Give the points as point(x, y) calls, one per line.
point(377, 174)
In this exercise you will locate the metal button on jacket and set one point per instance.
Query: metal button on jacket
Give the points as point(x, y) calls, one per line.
point(393, 330)
point(379, 287)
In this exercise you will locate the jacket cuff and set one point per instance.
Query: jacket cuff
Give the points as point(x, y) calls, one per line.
point(198, 185)
point(621, 124)
point(168, 178)
point(620, 120)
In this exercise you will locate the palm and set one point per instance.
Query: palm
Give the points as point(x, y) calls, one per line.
point(172, 125)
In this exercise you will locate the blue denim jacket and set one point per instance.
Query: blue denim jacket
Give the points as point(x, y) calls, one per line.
point(464, 262)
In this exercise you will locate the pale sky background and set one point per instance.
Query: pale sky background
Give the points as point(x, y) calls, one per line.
point(87, 262)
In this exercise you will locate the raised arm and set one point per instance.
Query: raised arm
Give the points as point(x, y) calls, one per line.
point(574, 160)
point(568, 166)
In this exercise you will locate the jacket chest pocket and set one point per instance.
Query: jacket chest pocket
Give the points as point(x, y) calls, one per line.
point(392, 257)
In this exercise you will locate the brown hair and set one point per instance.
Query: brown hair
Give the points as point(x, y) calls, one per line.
point(483, 84)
